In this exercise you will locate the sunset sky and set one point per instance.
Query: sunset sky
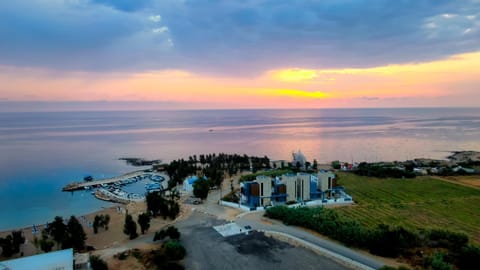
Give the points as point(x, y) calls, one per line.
point(180, 54)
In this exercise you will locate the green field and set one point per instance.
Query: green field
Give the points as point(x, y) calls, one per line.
point(422, 202)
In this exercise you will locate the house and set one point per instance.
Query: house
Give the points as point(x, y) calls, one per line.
point(81, 261)
point(289, 188)
point(292, 188)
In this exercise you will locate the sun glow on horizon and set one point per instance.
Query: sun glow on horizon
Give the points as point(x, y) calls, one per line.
point(277, 87)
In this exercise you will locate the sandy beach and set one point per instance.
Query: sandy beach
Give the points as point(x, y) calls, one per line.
point(103, 239)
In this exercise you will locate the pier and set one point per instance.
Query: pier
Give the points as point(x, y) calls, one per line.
point(105, 181)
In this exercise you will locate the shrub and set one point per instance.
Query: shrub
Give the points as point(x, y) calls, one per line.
point(436, 262)
point(468, 257)
point(98, 264)
point(174, 250)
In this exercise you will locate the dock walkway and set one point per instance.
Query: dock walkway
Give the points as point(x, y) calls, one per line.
point(105, 181)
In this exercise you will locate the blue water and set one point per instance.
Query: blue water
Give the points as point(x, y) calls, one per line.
point(41, 152)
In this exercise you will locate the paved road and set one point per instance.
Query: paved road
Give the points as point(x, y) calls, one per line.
point(254, 219)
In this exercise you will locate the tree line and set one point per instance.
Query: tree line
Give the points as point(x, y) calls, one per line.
point(159, 203)
point(213, 167)
point(10, 245)
point(449, 248)
point(383, 171)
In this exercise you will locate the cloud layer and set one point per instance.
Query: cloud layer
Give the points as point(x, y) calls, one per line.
point(234, 38)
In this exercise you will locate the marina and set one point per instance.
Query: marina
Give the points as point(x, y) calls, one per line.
point(118, 196)
point(127, 178)
point(110, 189)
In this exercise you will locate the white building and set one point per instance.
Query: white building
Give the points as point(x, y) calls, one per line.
point(56, 260)
point(326, 180)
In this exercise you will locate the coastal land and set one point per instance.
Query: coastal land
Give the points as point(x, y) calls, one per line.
point(421, 203)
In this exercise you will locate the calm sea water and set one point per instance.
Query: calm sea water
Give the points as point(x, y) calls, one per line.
point(41, 152)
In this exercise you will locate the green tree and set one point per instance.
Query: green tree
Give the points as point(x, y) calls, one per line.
point(76, 235)
point(173, 232)
point(46, 245)
point(156, 204)
point(17, 240)
point(96, 223)
point(130, 227)
point(160, 235)
point(144, 222)
point(58, 230)
point(336, 165)
point(105, 221)
point(201, 188)
point(100, 221)
point(7, 246)
point(315, 164)
point(174, 250)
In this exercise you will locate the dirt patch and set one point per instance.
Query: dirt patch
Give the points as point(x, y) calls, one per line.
point(256, 244)
point(471, 180)
point(130, 263)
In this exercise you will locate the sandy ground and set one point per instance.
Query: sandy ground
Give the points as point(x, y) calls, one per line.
point(464, 180)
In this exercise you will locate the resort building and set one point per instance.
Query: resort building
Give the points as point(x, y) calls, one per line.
point(297, 186)
point(326, 180)
point(265, 185)
point(290, 188)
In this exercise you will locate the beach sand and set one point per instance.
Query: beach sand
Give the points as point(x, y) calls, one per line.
point(103, 239)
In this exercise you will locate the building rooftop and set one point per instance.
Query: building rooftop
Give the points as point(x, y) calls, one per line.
point(62, 259)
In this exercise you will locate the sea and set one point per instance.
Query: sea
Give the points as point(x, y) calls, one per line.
point(40, 152)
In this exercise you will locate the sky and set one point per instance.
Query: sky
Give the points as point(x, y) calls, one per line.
point(187, 54)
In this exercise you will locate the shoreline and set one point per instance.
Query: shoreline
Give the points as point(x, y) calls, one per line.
point(453, 156)
point(114, 236)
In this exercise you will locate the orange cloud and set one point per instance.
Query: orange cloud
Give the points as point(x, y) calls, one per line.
point(291, 87)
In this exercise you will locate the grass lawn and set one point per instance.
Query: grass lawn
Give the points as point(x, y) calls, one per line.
point(421, 202)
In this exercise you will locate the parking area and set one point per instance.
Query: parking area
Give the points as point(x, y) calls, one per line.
point(208, 249)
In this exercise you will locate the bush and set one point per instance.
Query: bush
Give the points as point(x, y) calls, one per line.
point(436, 262)
point(98, 264)
point(174, 250)
point(391, 242)
point(468, 257)
point(172, 232)
point(384, 240)
point(447, 239)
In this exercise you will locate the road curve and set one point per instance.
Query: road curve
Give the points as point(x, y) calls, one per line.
point(254, 219)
